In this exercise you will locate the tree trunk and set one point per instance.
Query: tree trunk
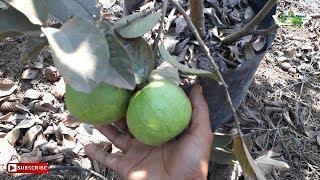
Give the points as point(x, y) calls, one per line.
point(197, 15)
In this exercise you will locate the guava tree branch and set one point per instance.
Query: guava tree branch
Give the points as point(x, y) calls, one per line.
point(263, 32)
point(253, 23)
point(213, 63)
point(197, 15)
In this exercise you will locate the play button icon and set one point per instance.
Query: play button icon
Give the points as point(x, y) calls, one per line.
point(12, 168)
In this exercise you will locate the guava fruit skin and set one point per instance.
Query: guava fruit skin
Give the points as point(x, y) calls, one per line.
point(105, 104)
point(158, 113)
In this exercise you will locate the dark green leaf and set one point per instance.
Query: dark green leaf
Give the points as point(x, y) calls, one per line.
point(222, 156)
point(35, 10)
point(248, 164)
point(165, 72)
point(62, 10)
point(142, 57)
point(12, 22)
point(81, 55)
point(135, 25)
point(173, 60)
point(121, 62)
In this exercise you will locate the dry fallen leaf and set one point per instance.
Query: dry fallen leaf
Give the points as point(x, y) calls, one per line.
point(59, 89)
point(14, 135)
point(64, 130)
point(268, 164)
point(57, 158)
point(39, 141)
point(29, 74)
point(30, 136)
point(34, 156)
point(32, 94)
point(52, 74)
point(7, 87)
point(68, 119)
point(13, 106)
point(6, 151)
point(6, 118)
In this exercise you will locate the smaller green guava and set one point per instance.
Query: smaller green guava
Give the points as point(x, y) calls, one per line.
point(105, 104)
point(158, 113)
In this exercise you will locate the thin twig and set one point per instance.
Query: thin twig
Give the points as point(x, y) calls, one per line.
point(164, 12)
point(253, 23)
point(264, 32)
point(214, 64)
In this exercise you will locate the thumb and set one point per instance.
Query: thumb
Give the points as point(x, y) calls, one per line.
point(200, 120)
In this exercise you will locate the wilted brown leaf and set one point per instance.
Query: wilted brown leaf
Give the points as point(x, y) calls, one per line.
point(49, 130)
point(7, 87)
point(268, 164)
point(248, 164)
point(39, 141)
point(13, 106)
point(32, 94)
point(6, 151)
point(6, 117)
point(64, 130)
point(52, 74)
point(68, 119)
point(14, 135)
point(57, 158)
point(30, 136)
point(59, 89)
point(33, 157)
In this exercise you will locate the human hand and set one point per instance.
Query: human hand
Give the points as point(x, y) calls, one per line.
point(184, 158)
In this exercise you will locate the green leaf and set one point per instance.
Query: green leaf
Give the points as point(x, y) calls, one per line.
point(142, 57)
point(248, 164)
point(121, 63)
point(13, 22)
point(165, 72)
point(222, 156)
point(81, 54)
point(173, 60)
point(35, 10)
point(33, 47)
point(221, 140)
point(62, 10)
point(136, 25)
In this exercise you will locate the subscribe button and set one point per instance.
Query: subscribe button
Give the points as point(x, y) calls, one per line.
point(33, 168)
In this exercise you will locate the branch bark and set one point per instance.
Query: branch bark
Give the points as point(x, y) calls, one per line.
point(252, 24)
point(197, 15)
point(214, 64)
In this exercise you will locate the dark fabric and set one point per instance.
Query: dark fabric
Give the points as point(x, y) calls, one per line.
point(238, 80)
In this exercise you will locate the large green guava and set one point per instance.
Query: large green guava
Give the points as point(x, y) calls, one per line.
point(105, 104)
point(158, 113)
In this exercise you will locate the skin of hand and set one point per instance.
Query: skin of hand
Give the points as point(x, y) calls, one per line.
point(184, 158)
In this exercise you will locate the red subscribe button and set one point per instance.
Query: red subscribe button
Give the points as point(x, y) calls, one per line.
point(33, 168)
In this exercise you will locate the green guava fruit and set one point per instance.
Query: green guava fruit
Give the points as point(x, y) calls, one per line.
point(105, 104)
point(158, 113)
